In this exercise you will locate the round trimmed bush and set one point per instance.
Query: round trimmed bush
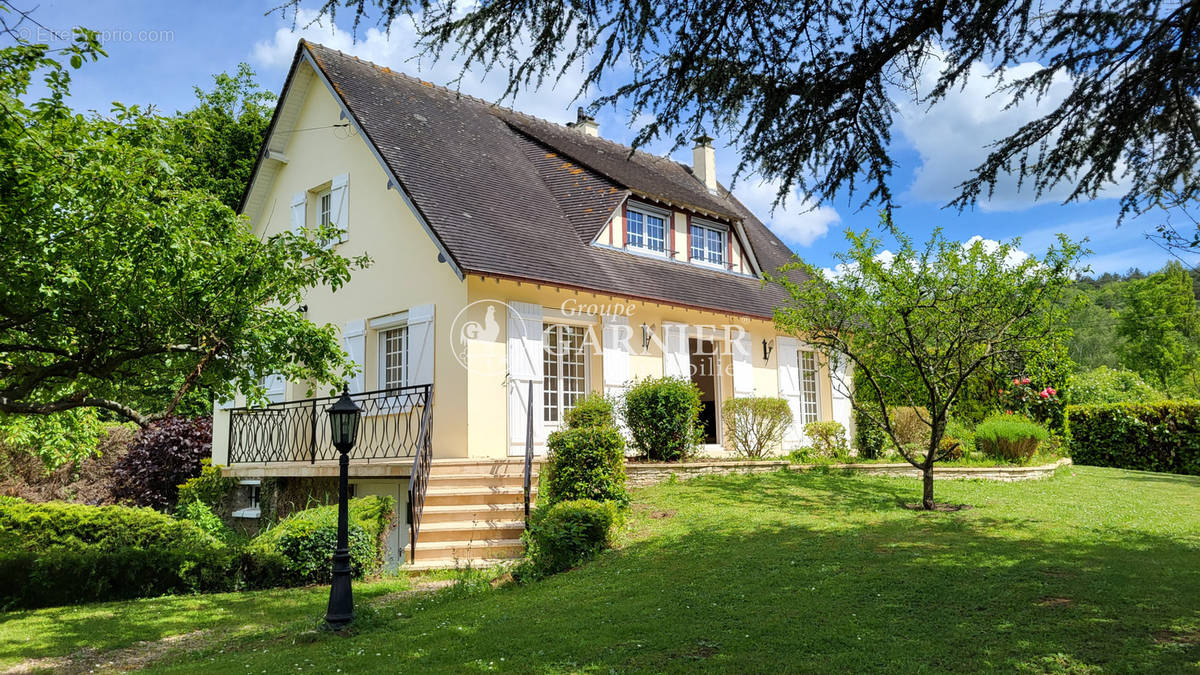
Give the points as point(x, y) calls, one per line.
point(663, 416)
point(306, 539)
point(593, 410)
point(584, 463)
point(567, 534)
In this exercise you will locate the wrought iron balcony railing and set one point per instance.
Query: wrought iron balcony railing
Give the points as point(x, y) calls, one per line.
point(396, 424)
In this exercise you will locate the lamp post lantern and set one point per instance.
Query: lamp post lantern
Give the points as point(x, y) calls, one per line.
point(343, 422)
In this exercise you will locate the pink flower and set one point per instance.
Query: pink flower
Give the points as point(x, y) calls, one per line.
point(1051, 391)
point(1045, 394)
point(1016, 380)
point(1025, 380)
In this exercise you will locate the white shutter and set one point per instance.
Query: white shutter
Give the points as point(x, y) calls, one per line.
point(354, 341)
point(787, 352)
point(675, 351)
point(339, 204)
point(525, 355)
point(743, 370)
point(841, 376)
point(299, 207)
point(420, 345)
point(617, 335)
point(276, 386)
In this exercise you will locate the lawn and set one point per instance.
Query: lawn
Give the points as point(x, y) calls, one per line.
point(1091, 570)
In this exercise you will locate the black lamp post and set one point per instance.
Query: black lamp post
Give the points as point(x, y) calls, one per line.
point(343, 423)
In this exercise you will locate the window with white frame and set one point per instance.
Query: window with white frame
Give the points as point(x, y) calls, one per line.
point(393, 357)
point(647, 230)
point(325, 208)
point(564, 370)
point(707, 244)
point(808, 386)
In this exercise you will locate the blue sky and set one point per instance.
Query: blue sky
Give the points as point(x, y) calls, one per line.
point(158, 51)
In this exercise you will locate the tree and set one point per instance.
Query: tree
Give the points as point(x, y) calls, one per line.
point(125, 287)
point(1161, 327)
point(220, 137)
point(809, 88)
point(921, 323)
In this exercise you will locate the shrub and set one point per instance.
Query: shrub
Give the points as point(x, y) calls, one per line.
point(209, 488)
point(869, 438)
point(1106, 385)
point(755, 426)
point(567, 534)
point(58, 439)
point(1161, 436)
point(162, 456)
point(909, 425)
point(201, 515)
point(593, 410)
point(56, 553)
point(663, 415)
point(1030, 398)
point(305, 539)
point(961, 432)
point(37, 527)
point(949, 449)
point(584, 463)
point(1012, 438)
point(828, 439)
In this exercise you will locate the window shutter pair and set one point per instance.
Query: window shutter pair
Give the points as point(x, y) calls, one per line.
point(420, 347)
point(339, 205)
point(525, 353)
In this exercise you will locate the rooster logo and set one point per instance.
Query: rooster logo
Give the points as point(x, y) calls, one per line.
point(471, 330)
point(468, 335)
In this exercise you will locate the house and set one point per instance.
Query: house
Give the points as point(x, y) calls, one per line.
point(511, 255)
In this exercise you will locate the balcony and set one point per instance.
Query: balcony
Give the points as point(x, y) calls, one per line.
point(396, 424)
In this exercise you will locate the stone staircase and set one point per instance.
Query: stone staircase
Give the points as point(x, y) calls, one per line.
point(474, 513)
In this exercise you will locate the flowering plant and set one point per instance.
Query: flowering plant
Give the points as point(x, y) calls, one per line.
point(1023, 397)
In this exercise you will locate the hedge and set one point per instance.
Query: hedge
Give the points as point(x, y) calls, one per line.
point(57, 553)
point(1162, 436)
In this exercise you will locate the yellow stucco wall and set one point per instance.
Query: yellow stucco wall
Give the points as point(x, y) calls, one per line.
point(487, 422)
point(405, 272)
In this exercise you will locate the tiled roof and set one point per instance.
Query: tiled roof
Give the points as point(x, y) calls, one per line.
point(511, 195)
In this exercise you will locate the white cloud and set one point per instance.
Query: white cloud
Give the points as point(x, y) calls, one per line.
point(795, 221)
point(1015, 255)
point(397, 50)
point(952, 137)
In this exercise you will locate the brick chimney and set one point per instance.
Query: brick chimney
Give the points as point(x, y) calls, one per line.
point(704, 162)
point(585, 123)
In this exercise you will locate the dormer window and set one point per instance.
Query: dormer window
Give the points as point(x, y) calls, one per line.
point(646, 230)
point(708, 244)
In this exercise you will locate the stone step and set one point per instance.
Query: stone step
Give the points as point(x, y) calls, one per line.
point(469, 550)
point(457, 513)
point(443, 467)
point(470, 530)
point(425, 563)
point(480, 480)
point(475, 495)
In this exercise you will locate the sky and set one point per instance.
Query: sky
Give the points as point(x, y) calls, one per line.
point(159, 51)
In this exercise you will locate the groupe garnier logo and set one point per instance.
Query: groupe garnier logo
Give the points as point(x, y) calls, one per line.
point(482, 322)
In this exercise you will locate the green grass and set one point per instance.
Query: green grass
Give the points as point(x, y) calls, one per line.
point(1092, 570)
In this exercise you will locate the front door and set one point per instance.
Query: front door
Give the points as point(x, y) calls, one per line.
point(704, 368)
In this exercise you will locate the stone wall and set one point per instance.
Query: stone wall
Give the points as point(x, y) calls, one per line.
point(641, 474)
